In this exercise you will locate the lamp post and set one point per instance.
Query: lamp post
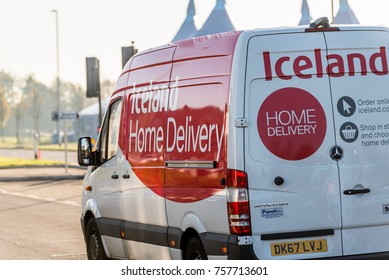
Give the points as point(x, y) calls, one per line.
point(58, 80)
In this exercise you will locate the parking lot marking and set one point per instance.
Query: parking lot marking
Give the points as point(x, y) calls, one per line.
point(47, 199)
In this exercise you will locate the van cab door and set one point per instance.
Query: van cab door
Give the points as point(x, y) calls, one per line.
point(106, 182)
point(293, 181)
point(360, 84)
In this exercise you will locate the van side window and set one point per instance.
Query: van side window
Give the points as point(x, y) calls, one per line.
point(110, 132)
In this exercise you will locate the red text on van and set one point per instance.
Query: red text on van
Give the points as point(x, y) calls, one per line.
point(303, 66)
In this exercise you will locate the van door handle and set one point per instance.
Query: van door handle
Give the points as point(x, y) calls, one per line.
point(115, 176)
point(126, 176)
point(356, 191)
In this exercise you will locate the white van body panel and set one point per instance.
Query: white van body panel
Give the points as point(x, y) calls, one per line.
point(185, 217)
point(144, 251)
point(114, 247)
point(135, 195)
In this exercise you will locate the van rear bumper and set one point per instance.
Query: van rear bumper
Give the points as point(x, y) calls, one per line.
point(246, 252)
point(240, 252)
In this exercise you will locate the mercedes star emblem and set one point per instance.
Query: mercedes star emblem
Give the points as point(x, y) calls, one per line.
point(336, 153)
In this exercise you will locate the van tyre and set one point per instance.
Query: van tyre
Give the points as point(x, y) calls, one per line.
point(195, 250)
point(94, 244)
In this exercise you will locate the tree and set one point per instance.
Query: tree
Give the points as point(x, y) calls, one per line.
point(37, 98)
point(18, 112)
point(74, 97)
point(7, 81)
point(27, 104)
point(18, 105)
point(4, 111)
point(36, 112)
point(106, 88)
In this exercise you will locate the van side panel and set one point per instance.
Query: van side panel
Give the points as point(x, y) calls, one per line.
point(143, 206)
point(196, 137)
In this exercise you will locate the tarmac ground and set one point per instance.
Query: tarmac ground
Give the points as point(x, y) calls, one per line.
point(41, 174)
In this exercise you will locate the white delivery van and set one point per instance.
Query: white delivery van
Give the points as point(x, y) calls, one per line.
point(263, 144)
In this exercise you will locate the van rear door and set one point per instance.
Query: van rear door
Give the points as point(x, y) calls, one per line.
point(360, 86)
point(293, 182)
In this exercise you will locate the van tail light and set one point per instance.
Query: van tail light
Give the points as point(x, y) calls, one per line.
point(238, 203)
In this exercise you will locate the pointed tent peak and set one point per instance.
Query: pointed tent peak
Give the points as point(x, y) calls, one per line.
point(220, 3)
point(189, 27)
point(218, 21)
point(345, 14)
point(191, 8)
point(305, 14)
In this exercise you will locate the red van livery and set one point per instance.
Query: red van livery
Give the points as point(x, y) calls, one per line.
point(244, 145)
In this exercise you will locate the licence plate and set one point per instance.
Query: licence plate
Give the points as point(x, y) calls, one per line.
point(298, 247)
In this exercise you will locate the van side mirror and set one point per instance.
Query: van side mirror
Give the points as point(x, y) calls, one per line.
point(86, 155)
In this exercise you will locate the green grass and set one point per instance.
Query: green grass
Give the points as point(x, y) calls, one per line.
point(27, 143)
point(17, 162)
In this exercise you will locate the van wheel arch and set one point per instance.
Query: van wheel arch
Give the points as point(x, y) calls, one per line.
point(192, 246)
point(87, 217)
point(94, 244)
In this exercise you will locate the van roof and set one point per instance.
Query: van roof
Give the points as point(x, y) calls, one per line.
point(299, 29)
point(265, 31)
point(254, 32)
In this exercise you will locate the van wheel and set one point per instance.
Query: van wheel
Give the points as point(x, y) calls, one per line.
point(195, 250)
point(94, 244)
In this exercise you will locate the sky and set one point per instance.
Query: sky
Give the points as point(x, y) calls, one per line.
point(97, 28)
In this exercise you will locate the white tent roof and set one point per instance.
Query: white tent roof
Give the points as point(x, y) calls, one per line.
point(189, 26)
point(345, 14)
point(94, 108)
point(218, 21)
point(305, 15)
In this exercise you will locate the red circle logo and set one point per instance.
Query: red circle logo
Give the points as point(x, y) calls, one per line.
point(291, 123)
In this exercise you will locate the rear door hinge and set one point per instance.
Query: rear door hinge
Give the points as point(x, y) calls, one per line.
point(245, 240)
point(241, 122)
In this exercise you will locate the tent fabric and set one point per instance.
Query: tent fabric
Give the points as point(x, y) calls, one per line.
point(305, 14)
point(218, 21)
point(94, 108)
point(189, 27)
point(345, 14)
